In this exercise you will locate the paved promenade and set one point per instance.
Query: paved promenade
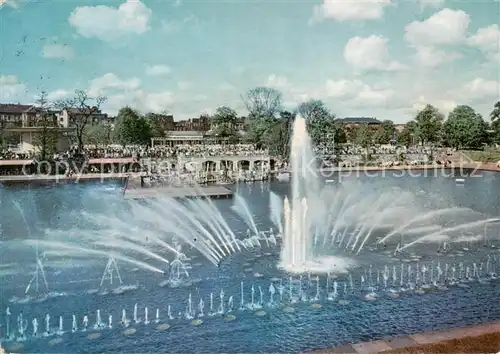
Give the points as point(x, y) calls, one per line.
point(415, 340)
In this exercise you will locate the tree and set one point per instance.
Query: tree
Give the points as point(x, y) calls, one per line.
point(281, 134)
point(98, 135)
point(340, 134)
point(160, 124)
point(428, 123)
point(259, 131)
point(364, 136)
point(352, 133)
point(495, 113)
point(320, 122)
point(495, 122)
point(465, 128)
point(132, 128)
point(384, 133)
point(313, 109)
point(224, 123)
point(262, 102)
point(405, 137)
point(81, 107)
point(48, 134)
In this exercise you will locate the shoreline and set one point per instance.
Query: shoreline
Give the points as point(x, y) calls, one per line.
point(98, 177)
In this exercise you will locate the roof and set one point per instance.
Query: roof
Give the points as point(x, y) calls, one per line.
point(14, 108)
point(359, 120)
point(184, 133)
point(84, 111)
point(15, 162)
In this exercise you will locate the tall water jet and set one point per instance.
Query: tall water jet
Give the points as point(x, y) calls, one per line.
point(304, 212)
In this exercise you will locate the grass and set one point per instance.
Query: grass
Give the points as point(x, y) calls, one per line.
point(486, 343)
point(487, 155)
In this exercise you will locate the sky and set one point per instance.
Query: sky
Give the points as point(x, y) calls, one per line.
point(371, 58)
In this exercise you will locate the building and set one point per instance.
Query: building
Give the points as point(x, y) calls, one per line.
point(201, 124)
point(22, 125)
point(187, 137)
point(165, 121)
point(356, 121)
point(24, 140)
point(18, 115)
point(95, 117)
point(399, 127)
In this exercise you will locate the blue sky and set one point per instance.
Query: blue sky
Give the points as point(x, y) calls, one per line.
point(381, 58)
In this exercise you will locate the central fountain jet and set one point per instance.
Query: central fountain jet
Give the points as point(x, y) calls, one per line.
point(303, 215)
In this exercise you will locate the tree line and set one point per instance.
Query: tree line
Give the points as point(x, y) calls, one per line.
point(268, 125)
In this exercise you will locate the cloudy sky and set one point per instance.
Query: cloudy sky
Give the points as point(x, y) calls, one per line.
point(383, 58)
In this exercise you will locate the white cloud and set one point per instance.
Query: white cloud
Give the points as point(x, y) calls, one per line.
point(346, 10)
point(225, 86)
point(369, 97)
point(58, 94)
point(157, 70)
point(57, 51)
point(277, 82)
point(357, 94)
point(111, 82)
point(11, 3)
point(10, 88)
point(110, 23)
point(370, 53)
point(184, 85)
point(444, 27)
point(432, 57)
point(480, 90)
point(154, 102)
point(122, 92)
point(487, 39)
point(431, 3)
point(445, 106)
point(342, 88)
point(171, 26)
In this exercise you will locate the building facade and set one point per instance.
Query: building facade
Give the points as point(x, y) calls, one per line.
point(95, 117)
point(21, 127)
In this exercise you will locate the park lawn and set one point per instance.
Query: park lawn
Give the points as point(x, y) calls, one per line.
point(488, 155)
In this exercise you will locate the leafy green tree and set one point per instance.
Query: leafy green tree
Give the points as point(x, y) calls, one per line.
point(495, 122)
point(364, 136)
point(405, 138)
point(98, 134)
point(465, 128)
point(160, 124)
point(281, 135)
point(428, 125)
point(259, 131)
point(352, 133)
point(384, 133)
point(340, 134)
point(495, 113)
point(224, 123)
point(262, 102)
point(320, 122)
point(132, 128)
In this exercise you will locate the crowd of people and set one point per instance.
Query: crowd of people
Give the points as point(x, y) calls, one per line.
point(164, 151)
point(346, 155)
